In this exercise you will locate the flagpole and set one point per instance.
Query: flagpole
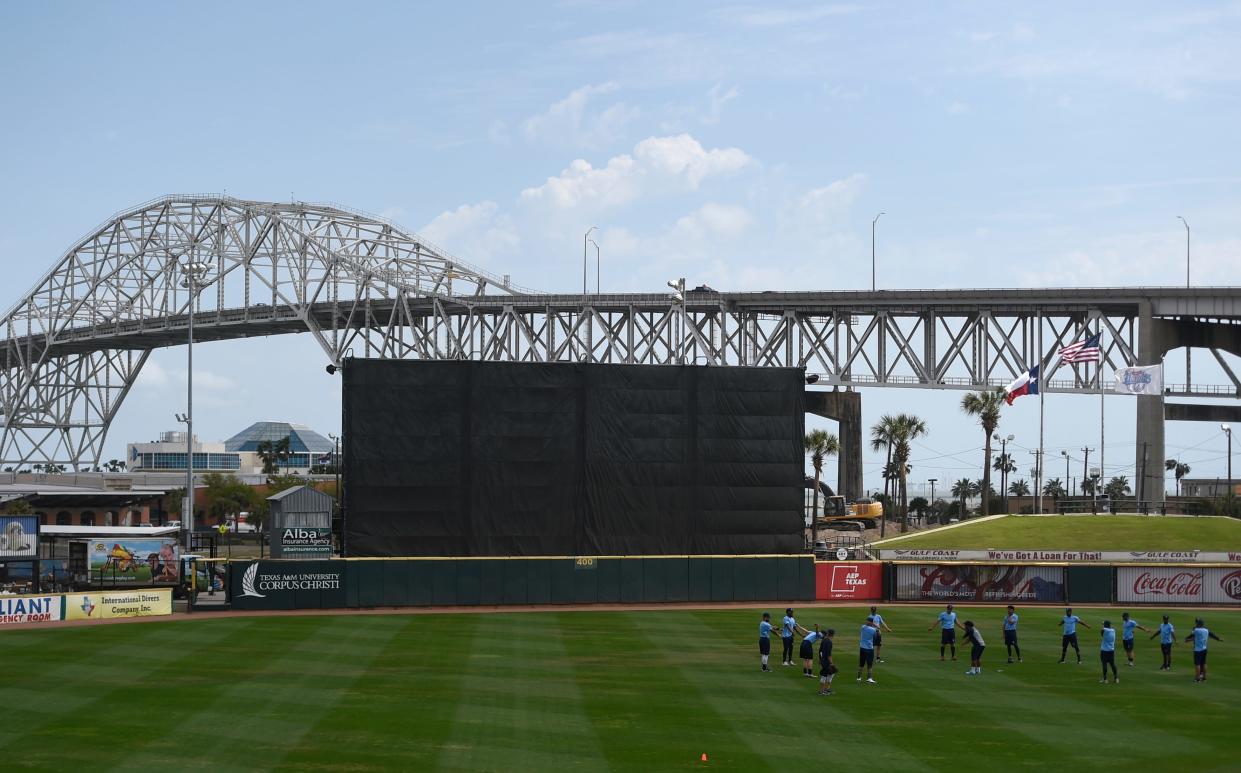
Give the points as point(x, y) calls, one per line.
point(1099, 381)
point(1042, 390)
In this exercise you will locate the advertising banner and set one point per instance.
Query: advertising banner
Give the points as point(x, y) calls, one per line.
point(861, 581)
point(1178, 585)
point(947, 582)
point(1066, 556)
point(30, 609)
point(134, 561)
point(107, 605)
point(19, 536)
point(288, 585)
point(305, 542)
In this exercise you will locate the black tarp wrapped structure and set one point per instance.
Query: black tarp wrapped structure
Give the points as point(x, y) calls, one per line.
point(468, 458)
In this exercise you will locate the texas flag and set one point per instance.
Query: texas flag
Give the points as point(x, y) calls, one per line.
point(1026, 384)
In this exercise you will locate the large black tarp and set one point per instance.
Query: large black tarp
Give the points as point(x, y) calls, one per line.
point(557, 459)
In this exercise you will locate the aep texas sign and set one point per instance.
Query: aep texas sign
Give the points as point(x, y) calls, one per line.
point(288, 585)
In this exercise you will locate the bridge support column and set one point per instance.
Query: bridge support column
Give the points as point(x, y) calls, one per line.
point(1148, 470)
point(845, 408)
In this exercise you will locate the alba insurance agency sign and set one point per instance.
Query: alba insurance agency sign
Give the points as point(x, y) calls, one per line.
point(305, 542)
point(282, 584)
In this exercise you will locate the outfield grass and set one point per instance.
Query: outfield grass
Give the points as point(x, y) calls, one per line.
point(1084, 532)
point(593, 691)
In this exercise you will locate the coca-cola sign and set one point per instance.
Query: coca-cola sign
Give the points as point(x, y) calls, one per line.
point(1174, 586)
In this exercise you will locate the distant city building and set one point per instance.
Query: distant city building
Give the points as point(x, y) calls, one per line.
point(239, 454)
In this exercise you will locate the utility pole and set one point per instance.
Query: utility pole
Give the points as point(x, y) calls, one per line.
point(1038, 480)
point(1085, 458)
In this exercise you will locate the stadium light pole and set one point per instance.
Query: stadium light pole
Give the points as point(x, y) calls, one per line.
point(1228, 431)
point(932, 482)
point(194, 272)
point(1186, 224)
point(872, 249)
point(1004, 460)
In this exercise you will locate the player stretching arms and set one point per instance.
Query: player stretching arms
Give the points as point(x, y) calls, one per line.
point(764, 640)
point(787, 629)
point(1127, 625)
point(1010, 634)
point(1199, 637)
point(1070, 622)
point(866, 651)
point(1107, 651)
point(827, 668)
point(977, 645)
point(807, 649)
point(948, 625)
point(878, 618)
point(1167, 637)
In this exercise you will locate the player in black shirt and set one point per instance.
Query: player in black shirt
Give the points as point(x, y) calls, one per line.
point(827, 669)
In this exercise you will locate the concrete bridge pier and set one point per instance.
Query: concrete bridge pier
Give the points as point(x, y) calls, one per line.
point(846, 409)
point(1149, 456)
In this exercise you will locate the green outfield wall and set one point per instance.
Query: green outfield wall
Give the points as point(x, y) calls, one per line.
point(421, 582)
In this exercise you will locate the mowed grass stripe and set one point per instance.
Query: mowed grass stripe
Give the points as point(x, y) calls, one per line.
point(786, 722)
point(647, 714)
point(111, 687)
point(499, 723)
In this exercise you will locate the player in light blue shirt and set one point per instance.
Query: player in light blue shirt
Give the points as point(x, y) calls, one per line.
point(1199, 637)
point(1127, 626)
point(787, 630)
point(1167, 637)
point(866, 650)
point(807, 649)
point(1107, 651)
point(1068, 636)
point(764, 640)
point(882, 626)
point(1010, 633)
point(948, 625)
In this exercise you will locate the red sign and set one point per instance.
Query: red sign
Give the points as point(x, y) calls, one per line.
point(861, 581)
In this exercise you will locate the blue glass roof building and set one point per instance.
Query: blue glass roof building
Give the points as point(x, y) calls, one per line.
point(302, 439)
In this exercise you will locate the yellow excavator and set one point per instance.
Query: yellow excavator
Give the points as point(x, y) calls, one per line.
point(866, 513)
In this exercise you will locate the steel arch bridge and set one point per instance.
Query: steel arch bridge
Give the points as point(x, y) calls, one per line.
point(72, 347)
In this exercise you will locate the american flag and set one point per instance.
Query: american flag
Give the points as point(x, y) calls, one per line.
point(1082, 351)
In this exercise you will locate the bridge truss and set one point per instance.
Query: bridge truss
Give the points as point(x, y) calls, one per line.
point(360, 286)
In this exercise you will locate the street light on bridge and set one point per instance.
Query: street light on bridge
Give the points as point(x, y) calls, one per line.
point(872, 249)
point(585, 239)
point(1186, 223)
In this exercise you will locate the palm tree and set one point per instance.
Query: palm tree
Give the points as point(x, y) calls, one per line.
point(985, 406)
point(819, 445)
point(1117, 487)
point(906, 428)
point(1019, 488)
point(1054, 489)
point(1180, 469)
point(882, 439)
point(266, 451)
point(1004, 464)
point(962, 489)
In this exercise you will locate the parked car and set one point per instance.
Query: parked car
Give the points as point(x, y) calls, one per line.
point(174, 524)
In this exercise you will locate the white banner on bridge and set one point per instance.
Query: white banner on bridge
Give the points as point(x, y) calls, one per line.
point(1066, 556)
point(1140, 380)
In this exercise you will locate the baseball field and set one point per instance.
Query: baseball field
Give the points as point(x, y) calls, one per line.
point(598, 690)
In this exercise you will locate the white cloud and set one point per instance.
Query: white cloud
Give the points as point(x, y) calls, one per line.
point(958, 108)
point(473, 231)
point(657, 164)
point(569, 120)
point(759, 16)
point(717, 97)
point(830, 204)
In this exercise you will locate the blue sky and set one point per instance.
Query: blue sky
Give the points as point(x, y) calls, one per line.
point(747, 147)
